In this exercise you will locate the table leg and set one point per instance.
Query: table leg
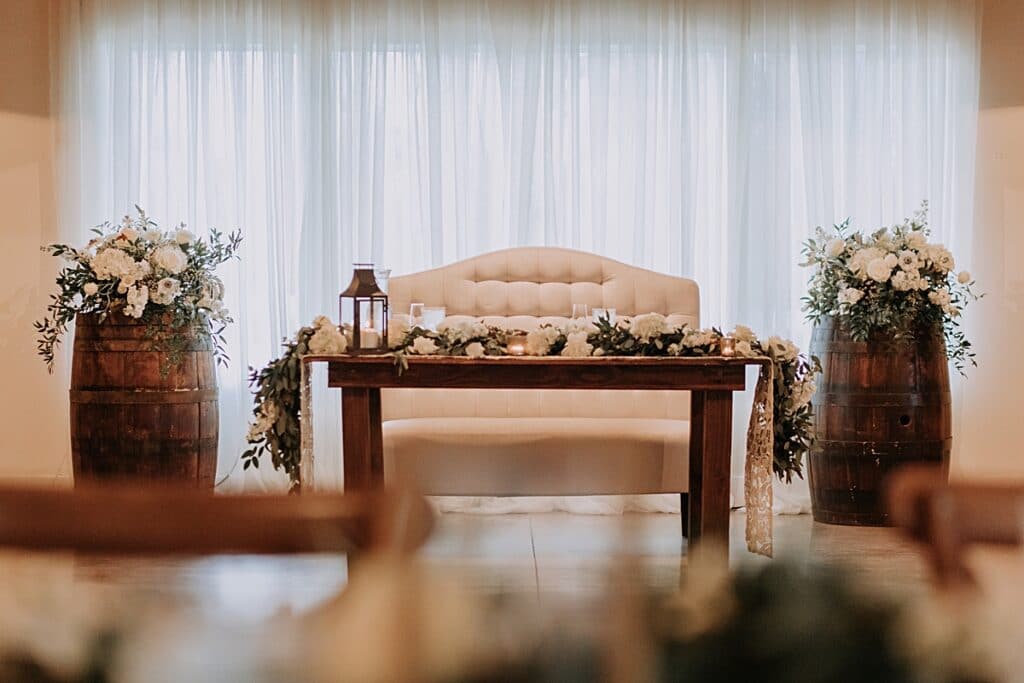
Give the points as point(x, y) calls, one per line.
point(361, 438)
point(376, 439)
point(710, 454)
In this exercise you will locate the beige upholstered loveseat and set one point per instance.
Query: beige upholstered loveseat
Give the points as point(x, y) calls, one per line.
point(539, 442)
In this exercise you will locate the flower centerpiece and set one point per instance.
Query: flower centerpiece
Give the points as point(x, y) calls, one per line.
point(165, 279)
point(149, 319)
point(887, 308)
point(275, 428)
point(894, 280)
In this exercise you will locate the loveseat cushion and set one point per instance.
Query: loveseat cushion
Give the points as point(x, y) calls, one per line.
point(480, 456)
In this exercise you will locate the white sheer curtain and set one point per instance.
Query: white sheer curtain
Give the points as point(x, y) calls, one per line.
point(697, 138)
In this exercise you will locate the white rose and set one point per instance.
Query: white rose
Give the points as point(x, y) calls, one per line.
point(902, 282)
point(782, 349)
point(744, 333)
point(860, 260)
point(744, 349)
point(908, 260)
point(964, 277)
point(154, 234)
point(939, 297)
point(184, 237)
point(646, 327)
point(90, 288)
point(475, 350)
point(891, 260)
point(170, 258)
point(576, 345)
point(879, 270)
point(166, 291)
point(129, 234)
point(940, 257)
point(835, 248)
point(424, 346)
point(538, 342)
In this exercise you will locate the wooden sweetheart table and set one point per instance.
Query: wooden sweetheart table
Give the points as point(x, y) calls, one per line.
point(711, 381)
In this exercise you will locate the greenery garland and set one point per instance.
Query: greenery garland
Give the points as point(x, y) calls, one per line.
point(277, 387)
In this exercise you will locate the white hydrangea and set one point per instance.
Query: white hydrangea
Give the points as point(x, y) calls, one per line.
point(153, 234)
point(128, 234)
point(879, 270)
point(327, 338)
point(170, 258)
point(744, 349)
point(835, 248)
point(424, 346)
point(916, 239)
point(576, 345)
point(167, 290)
point(138, 297)
point(648, 326)
point(112, 264)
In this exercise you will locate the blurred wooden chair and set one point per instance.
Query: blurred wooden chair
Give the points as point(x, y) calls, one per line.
point(154, 520)
point(949, 517)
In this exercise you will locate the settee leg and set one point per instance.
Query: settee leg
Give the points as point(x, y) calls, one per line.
point(684, 512)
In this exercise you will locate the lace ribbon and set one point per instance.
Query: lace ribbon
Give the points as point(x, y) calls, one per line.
point(757, 490)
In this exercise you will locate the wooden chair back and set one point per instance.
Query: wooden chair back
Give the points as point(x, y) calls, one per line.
point(949, 517)
point(153, 520)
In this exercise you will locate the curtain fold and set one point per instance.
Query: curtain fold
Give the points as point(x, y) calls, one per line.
point(704, 139)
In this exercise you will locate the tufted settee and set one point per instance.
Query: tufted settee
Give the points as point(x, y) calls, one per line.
point(539, 442)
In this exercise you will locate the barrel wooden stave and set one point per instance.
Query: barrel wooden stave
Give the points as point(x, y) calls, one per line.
point(128, 421)
point(881, 404)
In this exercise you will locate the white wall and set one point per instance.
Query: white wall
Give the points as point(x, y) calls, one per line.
point(33, 406)
point(992, 438)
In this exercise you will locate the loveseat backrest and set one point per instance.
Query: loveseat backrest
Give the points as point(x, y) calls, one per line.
point(525, 287)
point(542, 282)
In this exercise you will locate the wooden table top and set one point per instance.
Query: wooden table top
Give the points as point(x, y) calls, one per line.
point(541, 372)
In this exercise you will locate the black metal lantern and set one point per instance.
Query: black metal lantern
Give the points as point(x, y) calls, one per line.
point(364, 307)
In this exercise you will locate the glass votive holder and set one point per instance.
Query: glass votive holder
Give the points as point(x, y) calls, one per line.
point(727, 347)
point(515, 345)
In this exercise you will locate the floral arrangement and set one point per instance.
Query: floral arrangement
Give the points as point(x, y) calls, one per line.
point(275, 427)
point(163, 278)
point(893, 280)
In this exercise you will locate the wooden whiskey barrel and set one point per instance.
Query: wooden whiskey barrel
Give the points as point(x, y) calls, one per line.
point(130, 422)
point(881, 404)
